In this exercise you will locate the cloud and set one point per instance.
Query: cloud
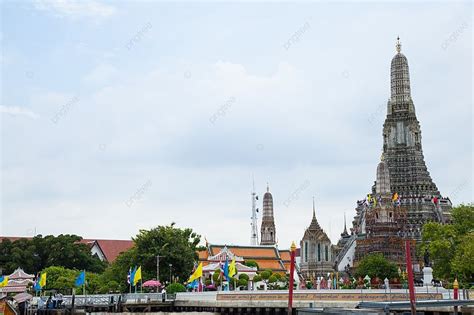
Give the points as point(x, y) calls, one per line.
point(103, 73)
point(18, 111)
point(76, 9)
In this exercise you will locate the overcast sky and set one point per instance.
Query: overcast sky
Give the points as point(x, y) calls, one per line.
point(120, 116)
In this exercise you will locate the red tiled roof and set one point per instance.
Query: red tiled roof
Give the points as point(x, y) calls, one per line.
point(111, 248)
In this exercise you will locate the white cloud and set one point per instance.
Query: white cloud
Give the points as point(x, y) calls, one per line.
point(76, 9)
point(18, 111)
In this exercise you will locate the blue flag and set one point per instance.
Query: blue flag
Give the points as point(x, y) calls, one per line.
point(226, 270)
point(132, 275)
point(37, 285)
point(81, 279)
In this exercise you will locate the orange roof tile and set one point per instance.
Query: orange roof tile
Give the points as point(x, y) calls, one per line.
point(285, 255)
point(203, 254)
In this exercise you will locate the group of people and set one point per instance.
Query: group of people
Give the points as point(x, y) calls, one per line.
point(54, 301)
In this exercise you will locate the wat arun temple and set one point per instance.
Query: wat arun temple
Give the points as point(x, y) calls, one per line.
point(404, 196)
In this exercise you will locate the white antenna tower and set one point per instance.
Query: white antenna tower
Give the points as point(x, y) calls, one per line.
point(253, 224)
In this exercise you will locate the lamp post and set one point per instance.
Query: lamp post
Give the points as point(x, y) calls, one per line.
point(171, 265)
point(158, 267)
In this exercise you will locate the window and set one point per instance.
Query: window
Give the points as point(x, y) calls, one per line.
point(327, 253)
point(319, 252)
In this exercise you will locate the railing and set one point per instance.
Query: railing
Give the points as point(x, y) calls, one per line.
point(110, 299)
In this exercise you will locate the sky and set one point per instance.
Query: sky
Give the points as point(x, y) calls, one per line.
point(123, 115)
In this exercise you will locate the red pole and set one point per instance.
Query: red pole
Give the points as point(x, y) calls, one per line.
point(292, 280)
point(411, 286)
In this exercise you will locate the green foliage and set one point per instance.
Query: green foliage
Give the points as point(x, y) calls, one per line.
point(376, 265)
point(272, 279)
point(463, 261)
point(117, 271)
point(257, 278)
point(243, 282)
point(63, 280)
point(216, 275)
point(266, 274)
point(175, 287)
point(177, 246)
point(60, 279)
point(450, 246)
point(278, 276)
point(244, 276)
point(40, 252)
point(251, 263)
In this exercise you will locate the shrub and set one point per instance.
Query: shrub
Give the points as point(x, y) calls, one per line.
point(175, 287)
point(244, 276)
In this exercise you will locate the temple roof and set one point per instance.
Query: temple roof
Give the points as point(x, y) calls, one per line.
point(225, 254)
point(266, 256)
point(19, 274)
point(314, 231)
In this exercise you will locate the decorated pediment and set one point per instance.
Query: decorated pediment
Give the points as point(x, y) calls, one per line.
point(225, 254)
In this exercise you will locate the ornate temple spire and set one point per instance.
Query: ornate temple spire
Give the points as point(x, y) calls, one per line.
point(382, 184)
point(268, 231)
point(314, 222)
point(345, 226)
point(400, 79)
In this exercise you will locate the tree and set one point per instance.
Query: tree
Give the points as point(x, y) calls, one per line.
point(175, 287)
point(257, 278)
point(266, 274)
point(376, 265)
point(177, 246)
point(244, 276)
point(40, 252)
point(60, 278)
point(243, 282)
point(450, 246)
point(251, 263)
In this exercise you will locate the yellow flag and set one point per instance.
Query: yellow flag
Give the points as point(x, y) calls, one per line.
point(138, 275)
point(43, 279)
point(196, 274)
point(232, 269)
point(395, 197)
point(3, 281)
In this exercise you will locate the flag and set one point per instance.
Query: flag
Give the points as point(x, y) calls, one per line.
point(232, 269)
point(226, 269)
point(395, 197)
point(132, 275)
point(128, 274)
point(137, 275)
point(81, 279)
point(196, 274)
point(42, 281)
point(3, 281)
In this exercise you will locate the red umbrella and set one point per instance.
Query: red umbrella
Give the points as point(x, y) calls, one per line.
point(152, 283)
